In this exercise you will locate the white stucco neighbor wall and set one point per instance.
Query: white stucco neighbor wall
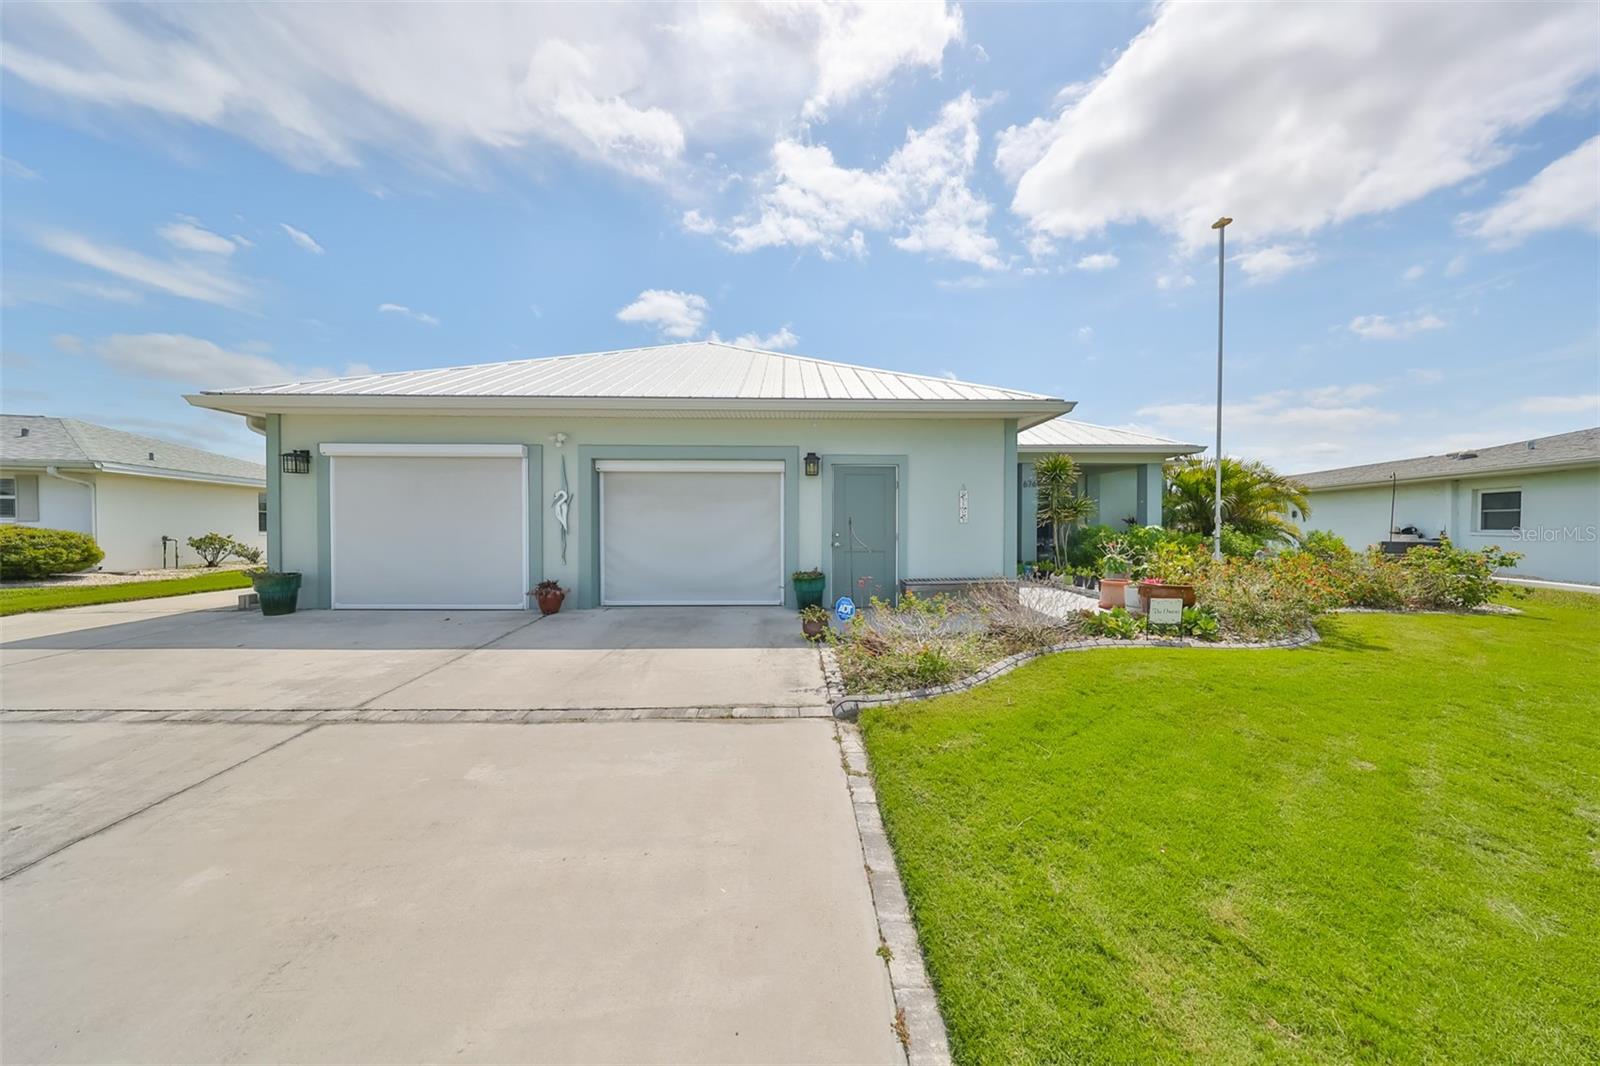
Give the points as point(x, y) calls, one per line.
point(136, 511)
point(62, 504)
point(1559, 538)
point(941, 458)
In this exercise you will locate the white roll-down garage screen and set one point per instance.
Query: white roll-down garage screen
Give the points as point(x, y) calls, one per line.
point(428, 525)
point(693, 532)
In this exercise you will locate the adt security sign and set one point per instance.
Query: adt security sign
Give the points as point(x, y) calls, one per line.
point(845, 609)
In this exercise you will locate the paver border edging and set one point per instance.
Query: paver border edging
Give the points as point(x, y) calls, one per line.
point(849, 708)
point(917, 1022)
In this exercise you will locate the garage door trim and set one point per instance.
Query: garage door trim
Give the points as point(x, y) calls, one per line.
point(776, 467)
point(464, 451)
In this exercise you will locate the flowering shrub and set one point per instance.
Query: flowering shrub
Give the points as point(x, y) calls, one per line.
point(1256, 601)
point(1448, 577)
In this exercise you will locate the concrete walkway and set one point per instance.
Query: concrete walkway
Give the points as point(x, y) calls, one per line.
point(642, 892)
point(194, 653)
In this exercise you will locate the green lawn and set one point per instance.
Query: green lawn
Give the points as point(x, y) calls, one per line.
point(17, 601)
point(1382, 848)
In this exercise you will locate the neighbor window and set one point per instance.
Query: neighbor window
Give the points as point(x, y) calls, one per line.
point(8, 497)
point(1501, 509)
point(261, 512)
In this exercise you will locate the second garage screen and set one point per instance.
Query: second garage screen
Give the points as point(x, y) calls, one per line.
point(691, 533)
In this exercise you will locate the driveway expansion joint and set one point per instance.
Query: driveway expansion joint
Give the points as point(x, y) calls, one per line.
point(81, 837)
point(926, 1041)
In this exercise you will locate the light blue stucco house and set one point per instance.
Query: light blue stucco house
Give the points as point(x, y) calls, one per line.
point(1540, 497)
point(1121, 470)
point(695, 473)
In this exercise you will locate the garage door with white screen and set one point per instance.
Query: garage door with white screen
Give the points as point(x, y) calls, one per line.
point(691, 532)
point(428, 526)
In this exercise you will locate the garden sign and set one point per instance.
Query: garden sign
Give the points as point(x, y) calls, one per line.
point(1165, 612)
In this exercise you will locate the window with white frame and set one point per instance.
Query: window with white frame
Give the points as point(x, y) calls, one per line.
point(1499, 509)
point(261, 512)
point(8, 497)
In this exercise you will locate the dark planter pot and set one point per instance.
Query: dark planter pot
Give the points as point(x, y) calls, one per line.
point(1165, 592)
point(813, 630)
point(278, 592)
point(550, 602)
point(808, 591)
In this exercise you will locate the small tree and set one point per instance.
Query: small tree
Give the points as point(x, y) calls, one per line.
point(1060, 504)
point(215, 547)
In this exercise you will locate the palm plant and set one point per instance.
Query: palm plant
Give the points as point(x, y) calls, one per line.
point(1255, 499)
point(1060, 504)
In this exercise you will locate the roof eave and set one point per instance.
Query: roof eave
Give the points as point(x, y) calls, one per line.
point(1164, 451)
point(1028, 412)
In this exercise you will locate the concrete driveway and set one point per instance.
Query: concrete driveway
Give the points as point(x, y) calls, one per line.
point(195, 652)
point(631, 892)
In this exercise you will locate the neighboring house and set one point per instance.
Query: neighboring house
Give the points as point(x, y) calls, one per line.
point(1539, 497)
point(696, 473)
point(1119, 469)
point(125, 490)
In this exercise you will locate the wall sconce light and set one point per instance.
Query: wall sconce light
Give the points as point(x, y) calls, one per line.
point(813, 464)
point(295, 462)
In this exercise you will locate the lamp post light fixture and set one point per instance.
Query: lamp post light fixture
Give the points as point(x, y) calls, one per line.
point(1221, 226)
point(295, 462)
point(813, 464)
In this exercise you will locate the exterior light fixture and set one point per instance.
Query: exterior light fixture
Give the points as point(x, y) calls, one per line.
point(813, 464)
point(298, 462)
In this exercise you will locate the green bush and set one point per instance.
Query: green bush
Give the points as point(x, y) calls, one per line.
point(1116, 623)
point(1237, 544)
point(1448, 577)
point(1261, 599)
point(29, 552)
point(215, 547)
point(1324, 545)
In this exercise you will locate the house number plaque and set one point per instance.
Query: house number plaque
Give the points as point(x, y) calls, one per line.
point(961, 506)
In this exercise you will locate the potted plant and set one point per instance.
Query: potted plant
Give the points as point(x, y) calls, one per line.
point(1116, 567)
point(278, 591)
point(1170, 575)
point(808, 587)
point(549, 594)
point(814, 621)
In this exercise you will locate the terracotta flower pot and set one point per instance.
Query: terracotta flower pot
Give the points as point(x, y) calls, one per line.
point(1154, 590)
point(1111, 592)
point(550, 602)
point(813, 628)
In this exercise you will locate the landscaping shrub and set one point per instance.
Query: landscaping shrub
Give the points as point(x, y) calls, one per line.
point(1448, 577)
point(215, 547)
point(1237, 544)
point(28, 552)
point(1324, 544)
point(1260, 600)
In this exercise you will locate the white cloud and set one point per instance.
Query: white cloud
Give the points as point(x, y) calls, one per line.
point(1564, 195)
point(1424, 376)
point(190, 360)
point(1382, 327)
point(1293, 116)
point(302, 238)
point(861, 44)
point(406, 312)
point(206, 282)
point(679, 315)
point(1098, 261)
point(13, 169)
point(920, 194)
point(1273, 261)
point(1588, 405)
point(1456, 266)
point(782, 340)
point(188, 235)
point(695, 222)
point(1414, 272)
point(1174, 279)
point(627, 86)
point(1085, 334)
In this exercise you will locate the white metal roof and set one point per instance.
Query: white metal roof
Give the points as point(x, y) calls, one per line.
point(695, 370)
point(1062, 434)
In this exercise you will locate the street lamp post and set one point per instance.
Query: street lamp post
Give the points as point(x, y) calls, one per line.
point(1221, 226)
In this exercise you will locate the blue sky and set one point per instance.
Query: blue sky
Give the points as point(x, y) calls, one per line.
point(1021, 195)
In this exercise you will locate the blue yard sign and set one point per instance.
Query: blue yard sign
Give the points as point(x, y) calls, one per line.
point(845, 609)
